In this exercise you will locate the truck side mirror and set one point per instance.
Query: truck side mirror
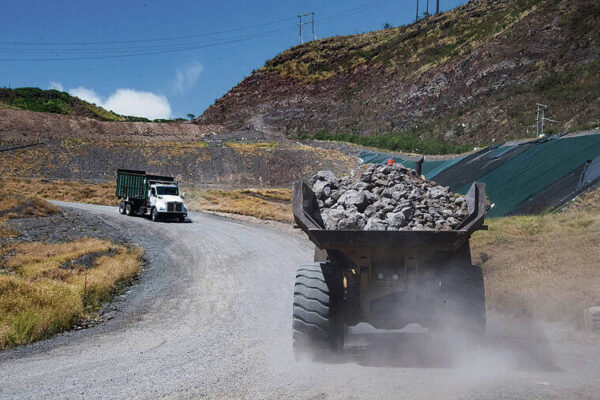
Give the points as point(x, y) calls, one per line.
point(183, 195)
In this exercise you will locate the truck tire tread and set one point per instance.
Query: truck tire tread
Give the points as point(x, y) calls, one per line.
point(315, 329)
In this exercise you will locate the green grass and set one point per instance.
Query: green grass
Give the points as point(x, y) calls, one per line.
point(409, 142)
point(54, 101)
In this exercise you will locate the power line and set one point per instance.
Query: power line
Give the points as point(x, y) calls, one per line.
point(121, 52)
point(155, 39)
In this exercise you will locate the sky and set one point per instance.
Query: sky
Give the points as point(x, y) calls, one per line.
point(166, 59)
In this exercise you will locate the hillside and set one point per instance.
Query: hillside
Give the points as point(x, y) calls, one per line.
point(57, 102)
point(467, 76)
point(45, 145)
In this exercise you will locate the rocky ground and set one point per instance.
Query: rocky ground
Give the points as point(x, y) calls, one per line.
point(67, 225)
point(387, 197)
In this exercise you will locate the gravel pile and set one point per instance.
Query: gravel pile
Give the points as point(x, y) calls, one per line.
point(387, 197)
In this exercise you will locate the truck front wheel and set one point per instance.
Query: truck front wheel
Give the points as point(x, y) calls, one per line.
point(317, 329)
point(154, 215)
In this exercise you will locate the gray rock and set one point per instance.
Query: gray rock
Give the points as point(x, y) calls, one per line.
point(396, 220)
point(375, 224)
point(385, 198)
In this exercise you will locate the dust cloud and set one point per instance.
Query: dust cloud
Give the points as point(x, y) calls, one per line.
point(422, 363)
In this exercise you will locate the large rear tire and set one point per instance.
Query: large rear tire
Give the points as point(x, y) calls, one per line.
point(463, 298)
point(129, 209)
point(122, 207)
point(317, 330)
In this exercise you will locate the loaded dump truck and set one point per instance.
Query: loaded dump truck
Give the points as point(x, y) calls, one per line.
point(150, 195)
point(388, 279)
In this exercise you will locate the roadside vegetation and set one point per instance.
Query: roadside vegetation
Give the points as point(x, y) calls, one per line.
point(409, 142)
point(543, 267)
point(48, 288)
point(269, 204)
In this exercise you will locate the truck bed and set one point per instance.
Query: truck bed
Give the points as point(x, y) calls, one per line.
point(308, 217)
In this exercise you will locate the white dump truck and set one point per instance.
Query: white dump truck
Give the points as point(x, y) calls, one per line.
point(150, 195)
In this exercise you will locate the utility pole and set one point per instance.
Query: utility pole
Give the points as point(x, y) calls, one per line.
point(437, 6)
point(417, 17)
point(540, 110)
point(312, 22)
point(427, 9)
point(541, 118)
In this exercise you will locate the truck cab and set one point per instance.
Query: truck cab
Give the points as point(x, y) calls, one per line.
point(165, 201)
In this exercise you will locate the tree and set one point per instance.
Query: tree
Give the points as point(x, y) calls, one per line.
point(190, 115)
point(387, 25)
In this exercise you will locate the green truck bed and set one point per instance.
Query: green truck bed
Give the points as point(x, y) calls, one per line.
point(134, 184)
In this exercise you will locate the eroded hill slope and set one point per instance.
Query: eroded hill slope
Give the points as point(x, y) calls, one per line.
point(469, 75)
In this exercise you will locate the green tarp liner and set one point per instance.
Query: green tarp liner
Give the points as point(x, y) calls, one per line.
point(527, 178)
point(535, 170)
point(476, 165)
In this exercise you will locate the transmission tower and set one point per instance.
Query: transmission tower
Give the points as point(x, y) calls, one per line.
point(311, 22)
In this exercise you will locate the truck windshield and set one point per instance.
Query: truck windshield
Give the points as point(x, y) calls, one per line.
point(167, 190)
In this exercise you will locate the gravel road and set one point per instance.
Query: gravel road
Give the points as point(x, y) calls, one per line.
point(211, 316)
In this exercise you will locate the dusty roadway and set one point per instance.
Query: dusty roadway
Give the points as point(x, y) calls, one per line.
point(211, 318)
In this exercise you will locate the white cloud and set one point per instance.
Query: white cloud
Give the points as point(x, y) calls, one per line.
point(56, 86)
point(86, 94)
point(128, 102)
point(187, 76)
point(140, 104)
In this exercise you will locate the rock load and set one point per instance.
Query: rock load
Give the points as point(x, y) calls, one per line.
point(387, 197)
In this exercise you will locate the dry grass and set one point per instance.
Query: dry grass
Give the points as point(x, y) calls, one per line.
point(588, 202)
point(250, 149)
point(272, 204)
point(13, 205)
point(80, 192)
point(38, 298)
point(543, 267)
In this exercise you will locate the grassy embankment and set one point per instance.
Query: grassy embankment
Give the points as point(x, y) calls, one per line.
point(46, 288)
point(543, 267)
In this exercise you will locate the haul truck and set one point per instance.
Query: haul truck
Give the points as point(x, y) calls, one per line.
point(388, 279)
point(152, 195)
